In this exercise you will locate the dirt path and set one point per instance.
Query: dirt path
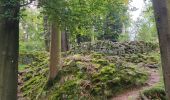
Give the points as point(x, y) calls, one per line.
point(133, 94)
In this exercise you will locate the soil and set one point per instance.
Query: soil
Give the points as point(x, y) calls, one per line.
point(134, 94)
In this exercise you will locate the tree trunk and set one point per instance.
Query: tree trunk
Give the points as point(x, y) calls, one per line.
point(162, 16)
point(123, 28)
point(55, 51)
point(64, 41)
point(93, 35)
point(9, 45)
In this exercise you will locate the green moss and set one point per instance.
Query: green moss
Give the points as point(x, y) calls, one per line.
point(146, 58)
point(155, 93)
point(30, 57)
point(69, 90)
point(107, 69)
point(116, 80)
point(81, 65)
point(101, 62)
point(27, 77)
point(71, 63)
point(21, 67)
point(97, 66)
point(97, 55)
point(94, 79)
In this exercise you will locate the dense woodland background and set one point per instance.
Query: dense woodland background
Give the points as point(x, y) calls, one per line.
point(83, 50)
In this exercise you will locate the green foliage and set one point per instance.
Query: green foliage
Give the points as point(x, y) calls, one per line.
point(10, 9)
point(97, 55)
point(69, 90)
point(146, 59)
point(31, 31)
point(26, 58)
point(155, 93)
point(88, 17)
point(102, 62)
point(31, 46)
point(113, 26)
point(124, 37)
point(21, 67)
point(146, 24)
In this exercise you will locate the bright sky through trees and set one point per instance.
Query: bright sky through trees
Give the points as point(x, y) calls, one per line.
point(138, 4)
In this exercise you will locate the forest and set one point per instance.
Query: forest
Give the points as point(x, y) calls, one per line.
point(84, 50)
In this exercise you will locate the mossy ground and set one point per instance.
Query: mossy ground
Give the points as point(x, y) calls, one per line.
point(89, 75)
point(82, 77)
point(156, 92)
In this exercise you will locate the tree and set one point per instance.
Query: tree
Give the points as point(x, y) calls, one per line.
point(33, 35)
point(116, 16)
point(146, 24)
point(55, 51)
point(162, 16)
point(78, 16)
point(64, 41)
point(9, 45)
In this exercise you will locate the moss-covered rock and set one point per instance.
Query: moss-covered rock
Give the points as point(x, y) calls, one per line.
point(114, 48)
point(82, 78)
point(30, 57)
point(154, 93)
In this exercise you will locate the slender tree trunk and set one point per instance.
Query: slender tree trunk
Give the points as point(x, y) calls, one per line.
point(123, 28)
point(162, 16)
point(55, 51)
point(93, 35)
point(9, 44)
point(64, 38)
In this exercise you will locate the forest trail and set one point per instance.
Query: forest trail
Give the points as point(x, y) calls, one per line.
point(133, 94)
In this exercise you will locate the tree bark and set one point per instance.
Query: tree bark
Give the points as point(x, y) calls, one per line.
point(55, 51)
point(162, 16)
point(64, 38)
point(9, 45)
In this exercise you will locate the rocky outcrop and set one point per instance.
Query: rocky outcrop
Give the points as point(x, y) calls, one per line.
point(115, 48)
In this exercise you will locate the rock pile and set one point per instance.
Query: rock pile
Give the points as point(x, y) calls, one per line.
point(115, 48)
